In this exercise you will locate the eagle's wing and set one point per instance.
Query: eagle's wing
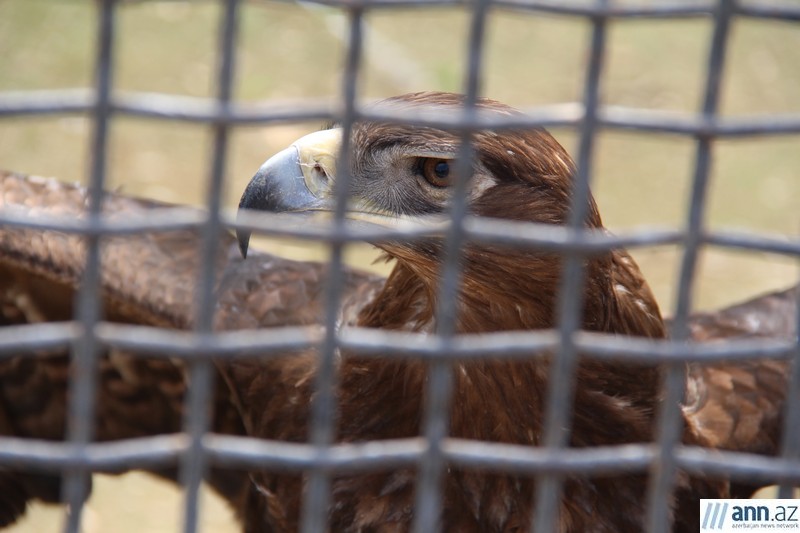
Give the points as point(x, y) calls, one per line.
point(147, 279)
point(739, 405)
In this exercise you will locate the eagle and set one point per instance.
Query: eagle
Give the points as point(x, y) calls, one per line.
point(397, 172)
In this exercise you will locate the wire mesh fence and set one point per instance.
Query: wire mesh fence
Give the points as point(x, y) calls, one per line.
point(321, 457)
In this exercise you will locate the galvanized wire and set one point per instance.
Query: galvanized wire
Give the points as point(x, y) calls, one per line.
point(83, 380)
point(670, 426)
point(317, 497)
point(561, 384)
point(440, 382)
point(432, 452)
point(193, 464)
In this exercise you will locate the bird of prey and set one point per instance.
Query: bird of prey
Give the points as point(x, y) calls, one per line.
point(398, 172)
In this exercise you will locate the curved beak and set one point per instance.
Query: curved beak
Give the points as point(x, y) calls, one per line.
point(296, 180)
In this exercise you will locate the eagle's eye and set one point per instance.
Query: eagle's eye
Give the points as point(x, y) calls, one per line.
point(435, 171)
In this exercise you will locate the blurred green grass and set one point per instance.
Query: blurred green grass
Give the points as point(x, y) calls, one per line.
point(292, 51)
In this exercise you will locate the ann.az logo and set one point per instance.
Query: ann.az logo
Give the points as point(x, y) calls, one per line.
point(724, 516)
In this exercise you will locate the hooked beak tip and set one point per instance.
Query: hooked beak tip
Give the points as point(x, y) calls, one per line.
point(243, 236)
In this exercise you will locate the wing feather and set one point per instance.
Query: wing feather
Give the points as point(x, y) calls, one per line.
point(739, 405)
point(147, 279)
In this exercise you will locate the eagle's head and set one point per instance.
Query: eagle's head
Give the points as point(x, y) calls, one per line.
point(406, 172)
point(401, 172)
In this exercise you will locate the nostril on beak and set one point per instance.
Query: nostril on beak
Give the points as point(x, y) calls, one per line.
point(320, 171)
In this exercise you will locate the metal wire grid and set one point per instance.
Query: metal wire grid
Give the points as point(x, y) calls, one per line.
point(196, 448)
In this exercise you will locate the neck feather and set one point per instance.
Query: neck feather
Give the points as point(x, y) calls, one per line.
point(516, 291)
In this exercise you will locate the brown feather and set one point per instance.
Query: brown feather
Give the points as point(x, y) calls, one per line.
point(147, 279)
point(739, 405)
